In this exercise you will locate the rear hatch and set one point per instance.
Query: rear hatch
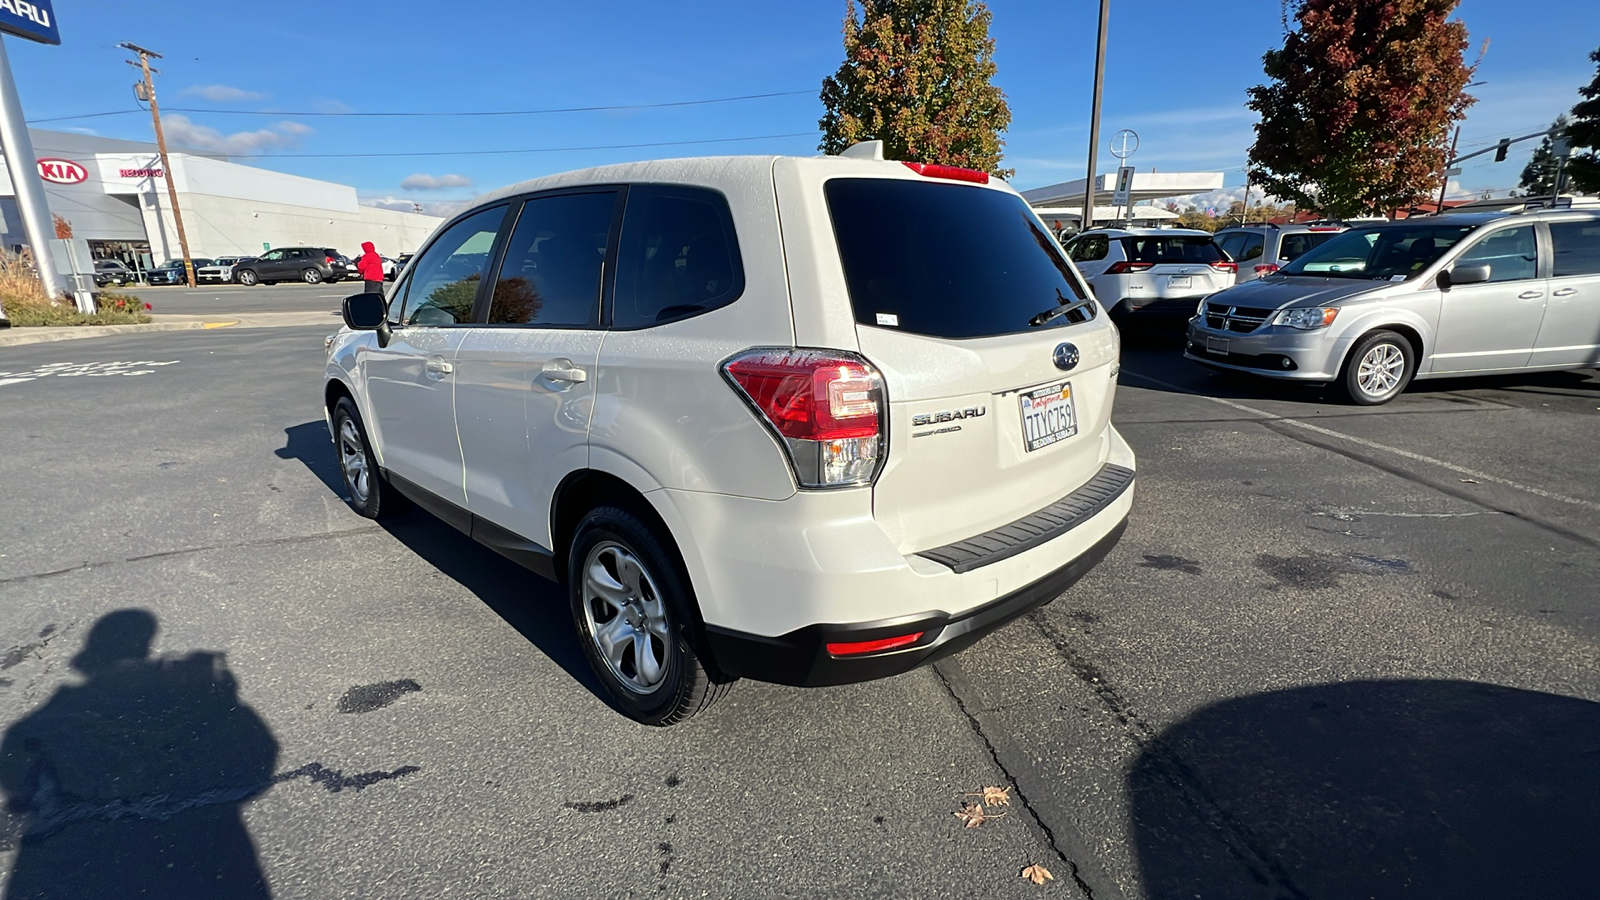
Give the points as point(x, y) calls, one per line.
point(1177, 265)
point(952, 287)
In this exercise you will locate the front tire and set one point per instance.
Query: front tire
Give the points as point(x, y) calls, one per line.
point(634, 612)
point(311, 276)
point(1379, 367)
point(367, 492)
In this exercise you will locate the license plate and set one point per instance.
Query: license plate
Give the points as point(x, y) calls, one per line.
point(1180, 281)
point(1048, 415)
point(1217, 345)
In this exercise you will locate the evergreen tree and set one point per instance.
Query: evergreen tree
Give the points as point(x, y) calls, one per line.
point(1584, 132)
point(1359, 102)
point(917, 75)
point(1539, 176)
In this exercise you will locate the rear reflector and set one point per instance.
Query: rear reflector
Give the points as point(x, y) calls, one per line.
point(954, 173)
point(855, 648)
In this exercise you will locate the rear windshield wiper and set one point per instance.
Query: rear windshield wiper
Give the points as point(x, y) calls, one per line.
point(1049, 315)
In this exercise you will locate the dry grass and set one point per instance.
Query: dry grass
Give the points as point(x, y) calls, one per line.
point(26, 303)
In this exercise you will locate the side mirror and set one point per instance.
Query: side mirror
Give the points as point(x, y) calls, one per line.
point(1463, 275)
point(368, 312)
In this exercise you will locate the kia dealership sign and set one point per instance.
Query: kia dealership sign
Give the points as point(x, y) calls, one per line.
point(62, 171)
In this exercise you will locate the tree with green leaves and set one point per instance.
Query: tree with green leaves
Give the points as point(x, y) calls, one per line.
point(918, 75)
point(1584, 132)
point(1539, 175)
point(1356, 114)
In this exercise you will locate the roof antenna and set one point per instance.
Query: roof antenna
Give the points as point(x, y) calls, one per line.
point(864, 150)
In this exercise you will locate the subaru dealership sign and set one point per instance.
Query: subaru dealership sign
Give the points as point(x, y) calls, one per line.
point(31, 19)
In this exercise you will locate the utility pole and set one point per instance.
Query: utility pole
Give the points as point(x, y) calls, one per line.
point(1444, 185)
point(1094, 121)
point(161, 144)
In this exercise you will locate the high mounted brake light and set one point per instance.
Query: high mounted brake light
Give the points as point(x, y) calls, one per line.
point(954, 173)
point(826, 406)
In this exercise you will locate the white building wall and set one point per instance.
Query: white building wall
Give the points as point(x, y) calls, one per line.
point(228, 226)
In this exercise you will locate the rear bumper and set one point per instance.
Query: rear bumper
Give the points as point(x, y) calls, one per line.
point(801, 657)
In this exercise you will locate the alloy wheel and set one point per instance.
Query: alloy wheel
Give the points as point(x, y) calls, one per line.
point(626, 617)
point(353, 461)
point(1380, 370)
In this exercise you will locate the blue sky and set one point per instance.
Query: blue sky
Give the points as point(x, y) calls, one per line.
point(1176, 72)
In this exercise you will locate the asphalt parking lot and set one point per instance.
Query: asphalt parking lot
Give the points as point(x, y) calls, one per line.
point(1340, 652)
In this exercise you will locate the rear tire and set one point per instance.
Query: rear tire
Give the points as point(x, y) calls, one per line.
point(635, 615)
point(1379, 367)
point(367, 491)
point(311, 276)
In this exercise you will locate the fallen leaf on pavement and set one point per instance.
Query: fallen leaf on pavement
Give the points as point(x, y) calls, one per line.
point(1469, 481)
point(972, 815)
point(1037, 874)
point(997, 796)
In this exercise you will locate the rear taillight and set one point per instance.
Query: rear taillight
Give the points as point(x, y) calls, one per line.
point(954, 173)
point(329, 260)
point(1266, 269)
point(1122, 268)
point(826, 406)
point(1223, 265)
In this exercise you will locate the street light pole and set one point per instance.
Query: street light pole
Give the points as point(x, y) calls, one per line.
point(1445, 184)
point(24, 169)
point(1094, 121)
point(161, 144)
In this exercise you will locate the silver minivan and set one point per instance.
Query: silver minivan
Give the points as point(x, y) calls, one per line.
point(1435, 297)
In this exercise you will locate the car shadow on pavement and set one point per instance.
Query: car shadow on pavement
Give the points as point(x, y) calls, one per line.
point(1404, 788)
point(131, 782)
point(536, 608)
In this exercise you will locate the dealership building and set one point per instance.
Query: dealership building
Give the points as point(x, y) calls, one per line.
point(114, 195)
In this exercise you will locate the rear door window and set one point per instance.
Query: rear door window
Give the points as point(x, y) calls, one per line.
point(1175, 248)
point(1577, 247)
point(678, 256)
point(946, 260)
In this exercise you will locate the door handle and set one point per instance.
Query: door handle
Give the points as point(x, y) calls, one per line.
point(563, 370)
point(438, 367)
point(1566, 292)
point(1531, 295)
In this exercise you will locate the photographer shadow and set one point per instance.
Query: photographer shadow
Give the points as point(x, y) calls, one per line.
point(132, 782)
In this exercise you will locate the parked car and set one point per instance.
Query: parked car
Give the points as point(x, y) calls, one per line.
point(1263, 249)
point(807, 420)
point(312, 265)
point(220, 270)
point(112, 271)
point(1151, 274)
point(391, 268)
point(1379, 305)
point(171, 271)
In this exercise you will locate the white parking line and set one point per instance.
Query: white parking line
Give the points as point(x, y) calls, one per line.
point(1374, 445)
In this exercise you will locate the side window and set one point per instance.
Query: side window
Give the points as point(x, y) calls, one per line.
point(1252, 248)
point(678, 256)
point(1509, 253)
point(1293, 245)
point(272, 256)
point(551, 274)
point(1230, 243)
point(297, 254)
point(1089, 248)
point(444, 282)
point(1577, 247)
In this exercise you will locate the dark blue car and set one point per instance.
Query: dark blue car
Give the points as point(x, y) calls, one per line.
point(171, 271)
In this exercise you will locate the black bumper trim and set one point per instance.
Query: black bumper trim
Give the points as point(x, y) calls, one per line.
point(1032, 530)
point(801, 659)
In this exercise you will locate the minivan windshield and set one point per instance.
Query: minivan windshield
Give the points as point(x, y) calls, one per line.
point(1382, 252)
point(947, 260)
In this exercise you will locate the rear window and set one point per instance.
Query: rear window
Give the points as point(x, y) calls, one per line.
point(1295, 245)
point(1577, 248)
point(1178, 248)
point(946, 260)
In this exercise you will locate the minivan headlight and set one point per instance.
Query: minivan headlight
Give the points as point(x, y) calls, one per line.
point(1307, 319)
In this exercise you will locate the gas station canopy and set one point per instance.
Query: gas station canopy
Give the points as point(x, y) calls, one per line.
point(1146, 186)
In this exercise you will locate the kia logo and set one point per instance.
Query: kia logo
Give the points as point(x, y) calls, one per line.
point(62, 171)
point(1065, 357)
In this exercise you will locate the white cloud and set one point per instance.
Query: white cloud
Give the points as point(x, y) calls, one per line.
point(1220, 199)
point(424, 182)
point(442, 208)
point(241, 143)
point(222, 93)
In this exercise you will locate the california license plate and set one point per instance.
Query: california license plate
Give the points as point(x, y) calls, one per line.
point(1180, 281)
point(1048, 415)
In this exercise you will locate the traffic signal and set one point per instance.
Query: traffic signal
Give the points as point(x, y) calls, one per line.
point(1500, 151)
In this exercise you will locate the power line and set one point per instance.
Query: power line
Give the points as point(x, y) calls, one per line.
point(757, 137)
point(454, 114)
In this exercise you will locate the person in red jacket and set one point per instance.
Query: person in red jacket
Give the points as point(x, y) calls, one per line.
point(370, 265)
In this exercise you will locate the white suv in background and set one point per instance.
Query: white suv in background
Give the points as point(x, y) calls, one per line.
point(1150, 274)
point(810, 421)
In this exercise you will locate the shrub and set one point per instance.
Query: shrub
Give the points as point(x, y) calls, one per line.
point(27, 304)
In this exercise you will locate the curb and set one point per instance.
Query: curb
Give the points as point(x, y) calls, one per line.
point(12, 337)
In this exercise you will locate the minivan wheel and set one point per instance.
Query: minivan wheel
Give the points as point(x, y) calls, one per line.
point(633, 609)
point(311, 276)
point(367, 492)
point(1378, 368)
point(246, 278)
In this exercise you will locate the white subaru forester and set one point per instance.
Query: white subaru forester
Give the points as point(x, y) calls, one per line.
point(810, 421)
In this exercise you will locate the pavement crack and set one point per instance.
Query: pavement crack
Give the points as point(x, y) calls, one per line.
point(165, 554)
point(1022, 796)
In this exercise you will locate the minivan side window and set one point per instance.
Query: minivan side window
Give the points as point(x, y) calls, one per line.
point(1293, 245)
point(1509, 253)
point(678, 256)
point(553, 262)
point(444, 282)
point(1576, 246)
